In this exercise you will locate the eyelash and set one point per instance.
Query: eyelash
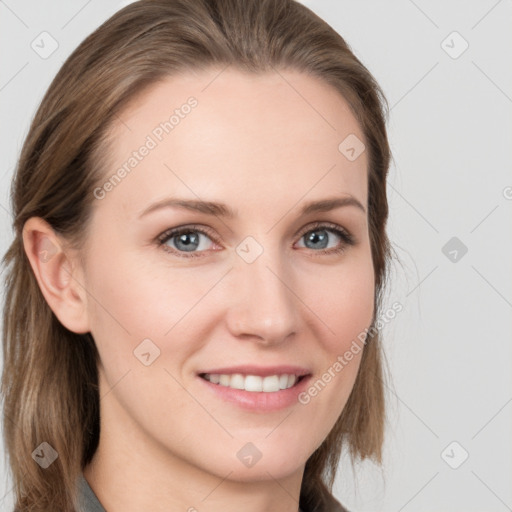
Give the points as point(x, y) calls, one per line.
point(346, 238)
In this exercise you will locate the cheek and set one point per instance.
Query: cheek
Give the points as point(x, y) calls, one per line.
point(140, 298)
point(343, 299)
point(345, 305)
point(143, 308)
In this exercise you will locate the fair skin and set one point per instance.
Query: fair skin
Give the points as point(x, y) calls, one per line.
point(252, 142)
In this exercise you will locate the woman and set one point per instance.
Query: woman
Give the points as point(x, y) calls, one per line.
point(194, 170)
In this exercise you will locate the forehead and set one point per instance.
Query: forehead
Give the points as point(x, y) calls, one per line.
point(235, 136)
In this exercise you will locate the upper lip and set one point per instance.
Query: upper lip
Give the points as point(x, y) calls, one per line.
point(262, 371)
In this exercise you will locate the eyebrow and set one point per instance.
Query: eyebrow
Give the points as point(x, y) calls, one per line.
point(222, 210)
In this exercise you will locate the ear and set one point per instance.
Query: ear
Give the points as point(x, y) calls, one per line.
point(58, 274)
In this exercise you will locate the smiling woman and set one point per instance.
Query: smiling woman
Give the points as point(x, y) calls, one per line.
point(173, 323)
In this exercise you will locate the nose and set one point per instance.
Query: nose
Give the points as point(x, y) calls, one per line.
point(263, 305)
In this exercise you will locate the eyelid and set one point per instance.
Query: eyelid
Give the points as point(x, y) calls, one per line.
point(188, 227)
point(326, 224)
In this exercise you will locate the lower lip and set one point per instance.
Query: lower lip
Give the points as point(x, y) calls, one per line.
point(259, 401)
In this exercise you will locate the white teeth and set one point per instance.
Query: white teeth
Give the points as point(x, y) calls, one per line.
point(237, 381)
point(253, 383)
point(271, 384)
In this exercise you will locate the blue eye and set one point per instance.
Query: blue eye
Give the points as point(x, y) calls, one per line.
point(189, 241)
point(320, 236)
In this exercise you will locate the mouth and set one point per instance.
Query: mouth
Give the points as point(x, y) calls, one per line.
point(255, 388)
point(255, 383)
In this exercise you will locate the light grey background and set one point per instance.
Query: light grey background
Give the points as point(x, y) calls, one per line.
point(450, 128)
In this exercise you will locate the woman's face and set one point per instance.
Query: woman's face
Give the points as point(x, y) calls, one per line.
point(261, 293)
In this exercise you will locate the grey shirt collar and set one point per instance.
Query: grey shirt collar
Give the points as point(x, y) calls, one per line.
point(89, 502)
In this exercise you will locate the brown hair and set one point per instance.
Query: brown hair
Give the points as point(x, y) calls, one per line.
point(49, 380)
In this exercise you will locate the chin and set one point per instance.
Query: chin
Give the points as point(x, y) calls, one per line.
point(262, 471)
point(262, 461)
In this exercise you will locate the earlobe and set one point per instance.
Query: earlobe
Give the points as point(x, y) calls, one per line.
point(57, 274)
